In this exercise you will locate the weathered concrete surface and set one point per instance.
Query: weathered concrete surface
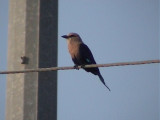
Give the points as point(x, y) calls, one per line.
point(32, 33)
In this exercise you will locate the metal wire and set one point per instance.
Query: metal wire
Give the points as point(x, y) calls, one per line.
point(79, 67)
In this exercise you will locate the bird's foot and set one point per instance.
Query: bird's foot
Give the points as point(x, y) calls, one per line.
point(82, 66)
point(76, 67)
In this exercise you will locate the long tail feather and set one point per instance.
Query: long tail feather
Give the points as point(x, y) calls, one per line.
point(102, 80)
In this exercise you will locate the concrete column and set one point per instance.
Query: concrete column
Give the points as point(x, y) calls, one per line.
point(32, 35)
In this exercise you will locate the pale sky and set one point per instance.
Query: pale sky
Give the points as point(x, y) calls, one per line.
point(115, 31)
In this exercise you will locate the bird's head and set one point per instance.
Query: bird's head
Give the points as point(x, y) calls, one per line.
point(72, 36)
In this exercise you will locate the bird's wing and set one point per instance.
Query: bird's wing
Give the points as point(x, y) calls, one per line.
point(86, 54)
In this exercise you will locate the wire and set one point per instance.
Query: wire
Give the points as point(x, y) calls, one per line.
point(79, 67)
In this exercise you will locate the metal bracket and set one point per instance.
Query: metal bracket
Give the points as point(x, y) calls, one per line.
point(24, 60)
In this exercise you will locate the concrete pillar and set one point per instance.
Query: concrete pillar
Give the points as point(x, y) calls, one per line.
point(32, 35)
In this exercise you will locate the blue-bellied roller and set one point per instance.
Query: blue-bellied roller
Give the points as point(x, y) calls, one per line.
point(81, 54)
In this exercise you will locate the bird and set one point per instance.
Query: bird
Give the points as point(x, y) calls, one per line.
point(81, 54)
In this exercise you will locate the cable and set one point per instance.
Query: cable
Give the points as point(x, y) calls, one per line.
point(79, 67)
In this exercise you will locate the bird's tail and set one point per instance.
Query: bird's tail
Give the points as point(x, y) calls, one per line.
point(102, 80)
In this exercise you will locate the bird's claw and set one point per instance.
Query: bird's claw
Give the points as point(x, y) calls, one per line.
point(76, 67)
point(82, 66)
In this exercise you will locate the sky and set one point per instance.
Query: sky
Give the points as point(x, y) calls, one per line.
point(3, 53)
point(115, 31)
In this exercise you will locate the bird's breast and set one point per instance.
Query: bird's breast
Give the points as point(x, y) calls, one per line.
point(73, 49)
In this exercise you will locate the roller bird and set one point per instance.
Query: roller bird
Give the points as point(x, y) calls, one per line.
point(81, 54)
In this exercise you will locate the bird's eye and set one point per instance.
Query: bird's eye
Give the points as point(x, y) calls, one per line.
point(71, 36)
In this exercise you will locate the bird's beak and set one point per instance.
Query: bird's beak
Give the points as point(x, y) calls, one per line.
point(65, 36)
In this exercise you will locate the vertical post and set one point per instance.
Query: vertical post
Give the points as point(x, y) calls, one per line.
point(33, 34)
